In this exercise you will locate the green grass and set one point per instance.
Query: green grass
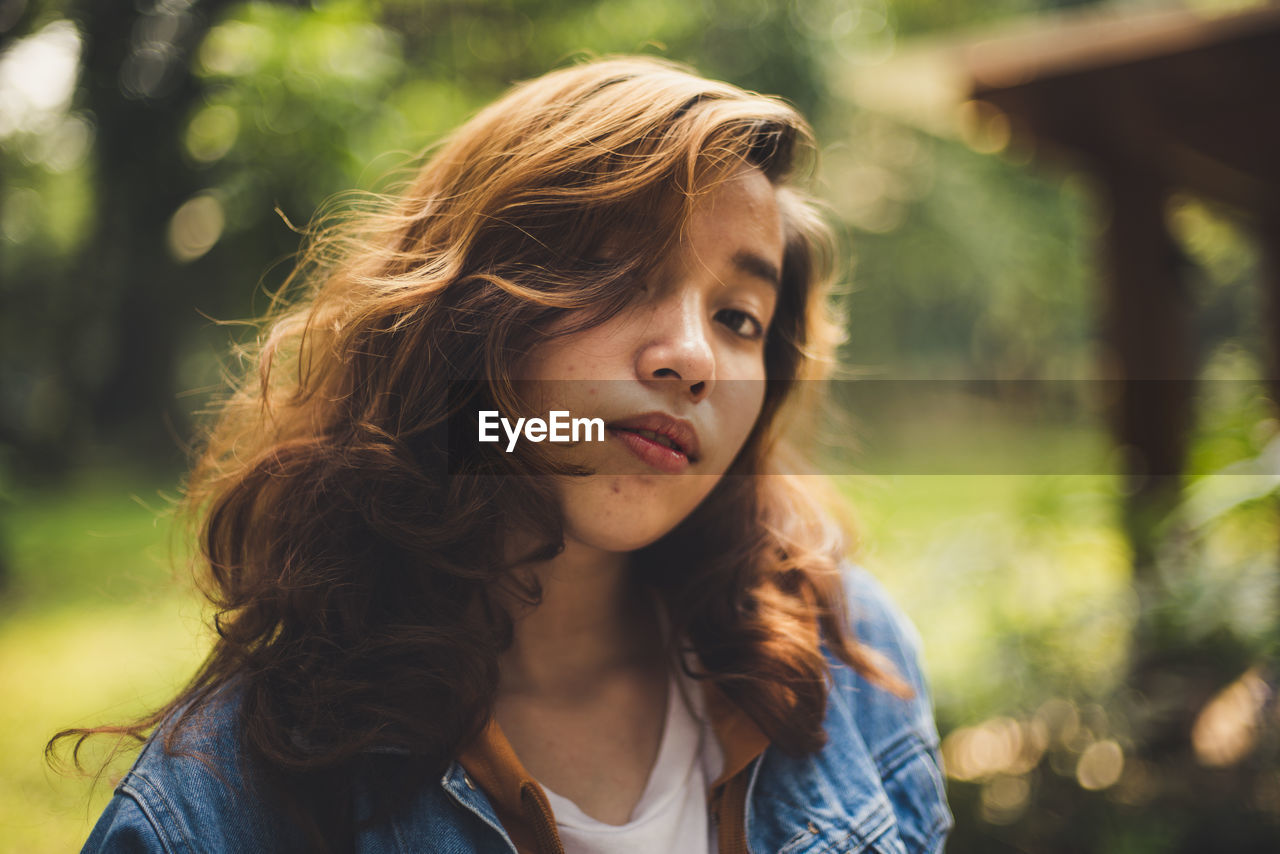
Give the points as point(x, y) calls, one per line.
point(96, 627)
point(1019, 584)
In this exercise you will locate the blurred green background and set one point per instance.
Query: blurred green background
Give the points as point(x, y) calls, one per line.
point(154, 155)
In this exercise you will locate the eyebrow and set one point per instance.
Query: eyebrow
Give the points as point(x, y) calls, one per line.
point(754, 265)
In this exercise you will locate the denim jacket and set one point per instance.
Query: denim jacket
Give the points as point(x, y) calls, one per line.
point(875, 787)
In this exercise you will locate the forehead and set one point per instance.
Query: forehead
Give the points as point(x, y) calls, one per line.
point(738, 208)
point(738, 189)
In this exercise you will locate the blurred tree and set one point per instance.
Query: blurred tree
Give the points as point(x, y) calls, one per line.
point(127, 314)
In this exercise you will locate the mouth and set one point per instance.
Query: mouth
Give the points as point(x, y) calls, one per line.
point(665, 443)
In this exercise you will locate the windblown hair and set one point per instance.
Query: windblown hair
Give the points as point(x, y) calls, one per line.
point(354, 555)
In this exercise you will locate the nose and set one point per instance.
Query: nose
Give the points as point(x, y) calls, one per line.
point(677, 348)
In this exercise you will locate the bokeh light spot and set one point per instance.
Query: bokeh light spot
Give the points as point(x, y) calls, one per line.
point(1100, 765)
point(984, 127)
point(212, 133)
point(1227, 728)
point(196, 227)
point(37, 78)
point(1005, 798)
point(234, 49)
point(19, 214)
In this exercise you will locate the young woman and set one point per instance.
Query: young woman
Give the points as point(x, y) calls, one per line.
point(643, 640)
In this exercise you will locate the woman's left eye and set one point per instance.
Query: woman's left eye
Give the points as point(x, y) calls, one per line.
point(741, 323)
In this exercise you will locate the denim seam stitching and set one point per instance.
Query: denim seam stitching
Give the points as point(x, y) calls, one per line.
point(902, 751)
point(155, 806)
point(864, 839)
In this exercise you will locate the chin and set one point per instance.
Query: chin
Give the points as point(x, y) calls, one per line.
point(616, 521)
point(635, 533)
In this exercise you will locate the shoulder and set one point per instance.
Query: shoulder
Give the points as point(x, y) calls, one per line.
point(877, 782)
point(124, 826)
point(192, 792)
point(900, 735)
point(200, 792)
point(878, 622)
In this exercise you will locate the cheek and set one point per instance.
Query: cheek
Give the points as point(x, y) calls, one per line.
point(742, 406)
point(562, 374)
point(580, 355)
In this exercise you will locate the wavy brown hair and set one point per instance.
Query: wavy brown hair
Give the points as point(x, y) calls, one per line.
point(354, 554)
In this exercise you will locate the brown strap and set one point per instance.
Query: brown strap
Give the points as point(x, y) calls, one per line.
point(517, 798)
point(731, 812)
point(741, 740)
point(538, 810)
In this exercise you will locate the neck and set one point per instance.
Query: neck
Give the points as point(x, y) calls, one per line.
point(592, 621)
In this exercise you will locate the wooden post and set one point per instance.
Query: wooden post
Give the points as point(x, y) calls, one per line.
point(1269, 239)
point(1147, 335)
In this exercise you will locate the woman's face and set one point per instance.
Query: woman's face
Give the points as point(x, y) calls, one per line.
point(682, 365)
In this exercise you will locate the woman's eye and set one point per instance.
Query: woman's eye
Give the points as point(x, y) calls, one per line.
point(741, 323)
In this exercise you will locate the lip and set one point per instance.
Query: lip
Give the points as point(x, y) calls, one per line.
point(679, 432)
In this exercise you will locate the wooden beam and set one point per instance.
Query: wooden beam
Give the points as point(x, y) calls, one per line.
point(1147, 335)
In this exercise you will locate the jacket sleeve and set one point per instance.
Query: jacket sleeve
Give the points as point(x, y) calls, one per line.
point(882, 625)
point(124, 828)
point(907, 748)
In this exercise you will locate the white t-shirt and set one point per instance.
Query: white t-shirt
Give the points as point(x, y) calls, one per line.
point(671, 814)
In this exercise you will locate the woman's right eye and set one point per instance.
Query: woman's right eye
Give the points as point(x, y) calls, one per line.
point(741, 323)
